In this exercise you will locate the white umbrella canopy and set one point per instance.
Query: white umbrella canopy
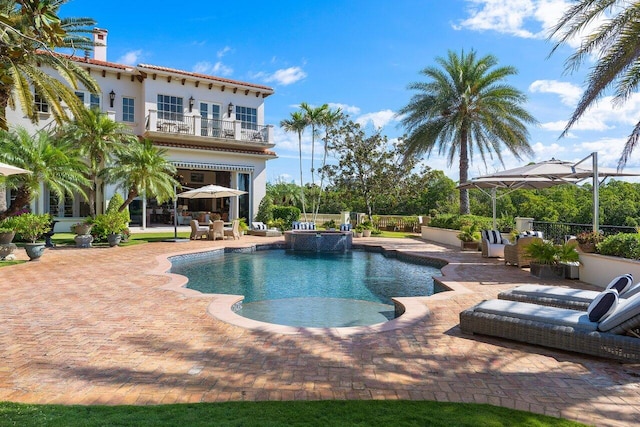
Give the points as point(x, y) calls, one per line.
point(6, 170)
point(211, 192)
point(547, 174)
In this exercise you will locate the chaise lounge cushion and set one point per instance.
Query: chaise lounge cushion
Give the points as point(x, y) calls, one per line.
point(603, 305)
point(624, 318)
point(539, 313)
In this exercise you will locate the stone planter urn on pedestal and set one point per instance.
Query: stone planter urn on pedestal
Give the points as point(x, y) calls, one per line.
point(34, 250)
point(7, 249)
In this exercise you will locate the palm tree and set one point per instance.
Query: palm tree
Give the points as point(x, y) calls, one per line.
point(329, 119)
point(297, 123)
point(100, 139)
point(465, 105)
point(30, 30)
point(615, 43)
point(314, 118)
point(142, 169)
point(53, 162)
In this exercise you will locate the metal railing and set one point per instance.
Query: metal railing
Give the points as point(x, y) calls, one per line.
point(183, 124)
point(560, 231)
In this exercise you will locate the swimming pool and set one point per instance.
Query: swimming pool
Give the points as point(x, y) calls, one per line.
point(311, 289)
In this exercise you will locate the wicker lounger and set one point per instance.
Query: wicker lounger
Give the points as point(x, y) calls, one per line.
point(557, 296)
point(265, 233)
point(552, 327)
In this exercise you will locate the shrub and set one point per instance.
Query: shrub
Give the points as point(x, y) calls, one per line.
point(456, 222)
point(330, 224)
point(265, 210)
point(590, 237)
point(32, 226)
point(110, 222)
point(625, 245)
point(286, 213)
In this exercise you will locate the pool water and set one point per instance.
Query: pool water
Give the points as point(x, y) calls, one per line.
point(311, 289)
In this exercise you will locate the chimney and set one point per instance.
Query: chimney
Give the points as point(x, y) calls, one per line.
point(100, 44)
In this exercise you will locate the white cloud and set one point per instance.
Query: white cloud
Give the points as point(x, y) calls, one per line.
point(130, 58)
point(205, 67)
point(284, 76)
point(379, 119)
point(521, 18)
point(222, 52)
point(345, 108)
point(568, 92)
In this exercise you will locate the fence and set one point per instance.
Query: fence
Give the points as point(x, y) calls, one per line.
point(559, 231)
point(410, 224)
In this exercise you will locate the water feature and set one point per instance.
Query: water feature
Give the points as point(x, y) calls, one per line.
point(311, 289)
point(318, 241)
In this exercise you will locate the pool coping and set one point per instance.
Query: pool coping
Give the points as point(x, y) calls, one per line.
point(221, 305)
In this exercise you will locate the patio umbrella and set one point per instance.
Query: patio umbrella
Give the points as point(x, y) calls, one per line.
point(547, 174)
point(211, 192)
point(6, 170)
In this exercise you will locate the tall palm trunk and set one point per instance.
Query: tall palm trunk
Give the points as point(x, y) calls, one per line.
point(464, 172)
point(304, 207)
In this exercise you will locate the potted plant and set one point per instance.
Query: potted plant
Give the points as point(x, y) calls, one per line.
point(31, 227)
point(588, 240)
point(7, 230)
point(113, 224)
point(569, 259)
point(545, 259)
point(367, 227)
point(357, 230)
point(330, 225)
point(242, 226)
point(82, 228)
point(469, 237)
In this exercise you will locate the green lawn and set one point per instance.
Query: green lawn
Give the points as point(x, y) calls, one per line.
point(264, 414)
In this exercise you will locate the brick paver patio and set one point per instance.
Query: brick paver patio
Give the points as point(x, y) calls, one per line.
point(96, 326)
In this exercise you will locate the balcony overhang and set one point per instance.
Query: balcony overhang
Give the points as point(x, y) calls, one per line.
point(207, 141)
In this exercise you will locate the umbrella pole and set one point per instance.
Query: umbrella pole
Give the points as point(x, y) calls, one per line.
point(596, 191)
point(493, 202)
point(175, 212)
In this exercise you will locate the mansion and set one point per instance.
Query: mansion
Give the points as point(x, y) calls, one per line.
point(212, 129)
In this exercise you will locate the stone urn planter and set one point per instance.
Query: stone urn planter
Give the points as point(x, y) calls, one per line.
point(114, 239)
point(547, 271)
point(6, 237)
point(34, 250)
point(83, 240)
point(7, 249)
point(83, 229)
point(366, 233)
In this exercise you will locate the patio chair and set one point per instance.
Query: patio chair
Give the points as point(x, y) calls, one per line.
point(216, 229)
point(562, 328)
point(234, 230)
point(493, 244)
point(575, 299)
point(515, 254)
point(198, 231)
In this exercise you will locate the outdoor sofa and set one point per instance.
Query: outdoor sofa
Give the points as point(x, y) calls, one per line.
point(560, 328)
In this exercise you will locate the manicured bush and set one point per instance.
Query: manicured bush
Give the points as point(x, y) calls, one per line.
point(287, 213)
point(112, 221)
point(265, 210)
point(625, 245)
point(456, 222)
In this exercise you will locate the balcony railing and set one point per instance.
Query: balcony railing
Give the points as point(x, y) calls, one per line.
point(182, 124)
point(559, 231)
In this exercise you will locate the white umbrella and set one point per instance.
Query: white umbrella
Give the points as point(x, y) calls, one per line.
point(211, 192)
point(6, 170)
point(547, 174)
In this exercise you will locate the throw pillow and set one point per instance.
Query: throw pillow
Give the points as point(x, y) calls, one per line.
point(621, 283)
point(603, 305)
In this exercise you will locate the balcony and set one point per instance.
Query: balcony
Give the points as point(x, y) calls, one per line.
point(207, 132)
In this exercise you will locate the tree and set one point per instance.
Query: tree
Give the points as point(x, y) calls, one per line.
point(53, 162)
point(100, 139)
point(297, 123)
point(615, 44)
point(142, 169)
point(315, 118)
point(365, 166)
point(465, 106)
point(30, 30)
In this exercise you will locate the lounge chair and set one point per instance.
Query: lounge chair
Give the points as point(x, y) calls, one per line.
point(492, 244)
point(575, 299)
point(234, 230)
point(217, 230)
point(560, 328)
point(198, 231)
point(516, 254)
point(260, 229)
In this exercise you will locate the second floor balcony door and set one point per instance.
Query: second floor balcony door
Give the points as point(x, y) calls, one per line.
point(211, 123)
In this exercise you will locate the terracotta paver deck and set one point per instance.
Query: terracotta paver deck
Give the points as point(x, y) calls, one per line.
point(97, 326)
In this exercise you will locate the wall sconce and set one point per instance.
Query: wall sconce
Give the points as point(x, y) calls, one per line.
point(112, 97)
point(191, 101)
point(230, 109)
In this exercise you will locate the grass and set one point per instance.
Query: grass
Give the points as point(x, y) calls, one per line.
point(265, 414)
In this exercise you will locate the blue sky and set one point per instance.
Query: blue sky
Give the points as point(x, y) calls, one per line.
point(361, 56)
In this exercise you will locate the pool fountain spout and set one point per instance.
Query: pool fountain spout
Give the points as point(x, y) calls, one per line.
point(318, 241)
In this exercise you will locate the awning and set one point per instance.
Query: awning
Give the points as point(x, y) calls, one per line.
point(213, 166)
